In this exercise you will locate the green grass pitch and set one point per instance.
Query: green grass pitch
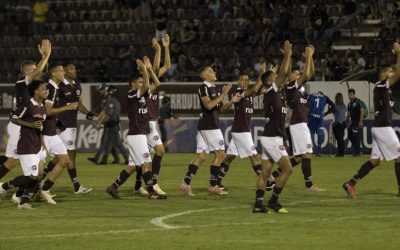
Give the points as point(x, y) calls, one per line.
point(326, 220)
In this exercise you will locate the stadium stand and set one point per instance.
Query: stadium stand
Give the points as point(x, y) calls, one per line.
point(103, 37)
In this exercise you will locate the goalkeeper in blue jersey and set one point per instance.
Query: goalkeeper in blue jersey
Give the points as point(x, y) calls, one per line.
point(316, 104)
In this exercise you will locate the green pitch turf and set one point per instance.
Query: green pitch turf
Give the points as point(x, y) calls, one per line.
point(326, 220)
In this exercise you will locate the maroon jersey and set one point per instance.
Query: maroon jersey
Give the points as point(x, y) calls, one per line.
point(275, 111)
point(152, 104)
point(383, 104)
point(209, 119)
point(49, 127)
point(30, 138)
point(243, 113)
point(297, 103)
point(138, 113)
point(22, 96)
point(69, 93)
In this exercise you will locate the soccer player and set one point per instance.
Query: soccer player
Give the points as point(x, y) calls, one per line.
point(209, 136)
point(299, 131)
point(385, 143)
point(272, 137)
point(30, 117)
point(70, 92)
point(242, 144)
point(139, 155)
point(54, 145)
point(30, 71)
point(153, 138)
point(316, 104)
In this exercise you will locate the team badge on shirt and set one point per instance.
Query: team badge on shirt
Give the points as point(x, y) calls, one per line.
point(281, 147)
point(78, 92)
point(146, 155)
point(221, 142)
point(34, 167)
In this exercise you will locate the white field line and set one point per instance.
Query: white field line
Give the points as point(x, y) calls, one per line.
point(159, 221)
point(161, 226)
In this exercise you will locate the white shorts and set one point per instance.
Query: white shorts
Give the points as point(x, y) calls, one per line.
point(272, 148)
point(30, 164)
point(209, 141)
point(138, 150)
point(54, 145)
point(153, 138)
point(385, 144)
point(301, 138)
point(68, 137)
point(241, 145)
point(13, 137)
point(43, 155)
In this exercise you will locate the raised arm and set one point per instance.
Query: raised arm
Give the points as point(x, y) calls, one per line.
point(167, 58)
point(210, 104)
point(396, 77)
point(45, 51)
point(157, 57)
point(256, 87)
point(146, 81)
point(227, 105)
point(307, 70)
point(152, 74)
point(283, 70)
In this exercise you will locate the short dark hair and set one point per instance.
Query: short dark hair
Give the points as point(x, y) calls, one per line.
point(383, 68)
point(264, 77)
point(52, 67)
point(134, 76)
point(34, 85)
point(243, 73)
point(66, 64)
point(26, 63)
point(201, 69)
point(352, 91)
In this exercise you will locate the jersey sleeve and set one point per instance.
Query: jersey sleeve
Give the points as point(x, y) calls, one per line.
point(203, 91)
point(51, 97)
point(20, 112)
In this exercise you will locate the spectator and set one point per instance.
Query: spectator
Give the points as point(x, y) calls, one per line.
point(23, 17)
point(319, 21)
point(40, 9)
point(182, 67)
point(360, 61)
point(3, 16)
point(226, 9)
point(268, 33)
point(301, 63)
point(215, 7)
point(249, 35)
point(339, 123)
point(235, 61)
point(261, 61)
point(161, 23)
point(145, 10)
point(284, 25)
point(134, 11)
point(187, 32)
